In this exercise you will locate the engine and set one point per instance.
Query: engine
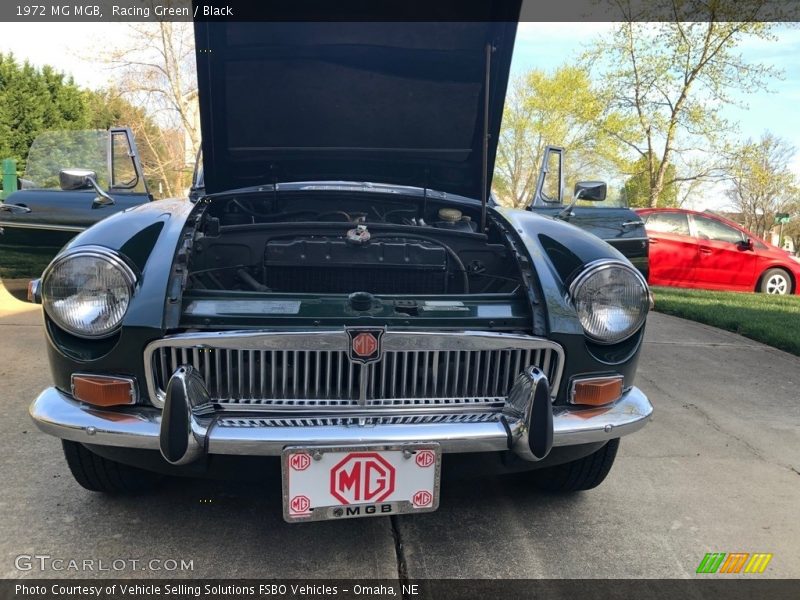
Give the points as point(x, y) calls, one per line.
point(380, 266)
point(313, 245)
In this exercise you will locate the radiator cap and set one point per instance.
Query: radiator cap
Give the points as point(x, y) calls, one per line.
point(450, 215)
point(361, 301)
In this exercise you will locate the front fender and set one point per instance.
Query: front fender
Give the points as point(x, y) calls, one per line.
point(558, 251)
point(148, 237)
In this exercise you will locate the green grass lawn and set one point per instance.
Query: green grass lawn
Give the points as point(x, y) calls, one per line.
point(773, 320)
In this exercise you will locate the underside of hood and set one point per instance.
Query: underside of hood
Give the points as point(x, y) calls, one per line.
point(397, 103)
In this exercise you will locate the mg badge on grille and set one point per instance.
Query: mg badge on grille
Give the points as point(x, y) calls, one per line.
point(364, 345)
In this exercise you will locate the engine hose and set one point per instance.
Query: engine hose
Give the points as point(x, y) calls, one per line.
point(251, 281)
point(432, 240)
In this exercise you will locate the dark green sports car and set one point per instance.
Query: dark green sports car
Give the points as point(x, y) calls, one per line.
point(344, 294)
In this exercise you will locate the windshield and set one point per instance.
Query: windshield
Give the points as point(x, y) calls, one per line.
point(53, 151)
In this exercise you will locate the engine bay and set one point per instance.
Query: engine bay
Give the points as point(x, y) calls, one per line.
point(386, 265)
point(335, 243)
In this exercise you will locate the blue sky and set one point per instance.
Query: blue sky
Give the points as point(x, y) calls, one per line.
point(548, 45)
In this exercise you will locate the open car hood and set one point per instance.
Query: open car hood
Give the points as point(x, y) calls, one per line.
point(396, 103)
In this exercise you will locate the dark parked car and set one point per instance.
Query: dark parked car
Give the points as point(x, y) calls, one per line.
point(72, 180)
point(703, 250)
point(343, 295)
point(617, 225)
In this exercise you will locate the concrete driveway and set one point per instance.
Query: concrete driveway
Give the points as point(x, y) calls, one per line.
point(717, 470)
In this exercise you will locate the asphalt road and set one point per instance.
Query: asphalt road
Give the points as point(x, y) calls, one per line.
point(718, 469)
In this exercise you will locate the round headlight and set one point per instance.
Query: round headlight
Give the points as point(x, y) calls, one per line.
point(87, 291)
point(612, 300)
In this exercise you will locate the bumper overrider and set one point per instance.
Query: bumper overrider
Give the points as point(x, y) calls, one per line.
point(188, 428)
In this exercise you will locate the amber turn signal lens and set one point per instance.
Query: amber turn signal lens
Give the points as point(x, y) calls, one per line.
point(597, 392)
point(103, 391)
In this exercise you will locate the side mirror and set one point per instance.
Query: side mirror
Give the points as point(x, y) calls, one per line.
point(84, 179)
point(745, 244)
point(594, 191)
point(76, 179)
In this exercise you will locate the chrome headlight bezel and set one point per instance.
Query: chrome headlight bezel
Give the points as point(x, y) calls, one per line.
point(98, 253)
point(590, 270)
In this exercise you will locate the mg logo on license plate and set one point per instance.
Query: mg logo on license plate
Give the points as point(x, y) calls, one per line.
point(362, 477)
point(300, 505)
point(364, 345)
point(300, 461)
point(425, 458)
point(422, 498)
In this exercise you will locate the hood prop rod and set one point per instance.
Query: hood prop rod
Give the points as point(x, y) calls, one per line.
point(425, 196)
point(273, 170)
point(485, 145)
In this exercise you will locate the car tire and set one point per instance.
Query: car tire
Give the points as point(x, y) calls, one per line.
point(582, 474)
point(776, 281)
point(98, 474)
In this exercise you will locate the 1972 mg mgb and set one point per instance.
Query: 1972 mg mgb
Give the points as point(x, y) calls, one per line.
point(344, 294)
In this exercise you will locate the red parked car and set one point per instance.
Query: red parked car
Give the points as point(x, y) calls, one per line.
point(703, 250)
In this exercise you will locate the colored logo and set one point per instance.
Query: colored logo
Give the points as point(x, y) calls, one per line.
point(365, 345)
point(362, 477)
point(300, 462)
point(734, 562)
point(300, 505)
point(425, 458)
point(422, 498)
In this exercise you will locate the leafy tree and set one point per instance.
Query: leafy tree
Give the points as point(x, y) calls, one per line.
point(636, 191)
point(672, 77)
point(38, 100)
point(562, 109)
point(34, 100)
point(761, 181)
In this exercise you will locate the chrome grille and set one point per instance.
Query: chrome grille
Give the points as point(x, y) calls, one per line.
point(347, 421)
point(460, 372)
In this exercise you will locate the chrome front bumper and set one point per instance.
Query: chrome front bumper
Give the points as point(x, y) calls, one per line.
point(58, 414)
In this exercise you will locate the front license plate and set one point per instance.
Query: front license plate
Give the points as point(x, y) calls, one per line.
point(359, 481)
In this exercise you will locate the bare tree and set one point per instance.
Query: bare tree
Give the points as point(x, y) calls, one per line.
point(762, 182)
point(672, 77)
point(155, 69)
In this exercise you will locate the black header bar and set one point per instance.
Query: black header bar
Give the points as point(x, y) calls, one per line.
point(109, 11)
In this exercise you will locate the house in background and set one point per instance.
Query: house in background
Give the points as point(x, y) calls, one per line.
point(788, 245)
